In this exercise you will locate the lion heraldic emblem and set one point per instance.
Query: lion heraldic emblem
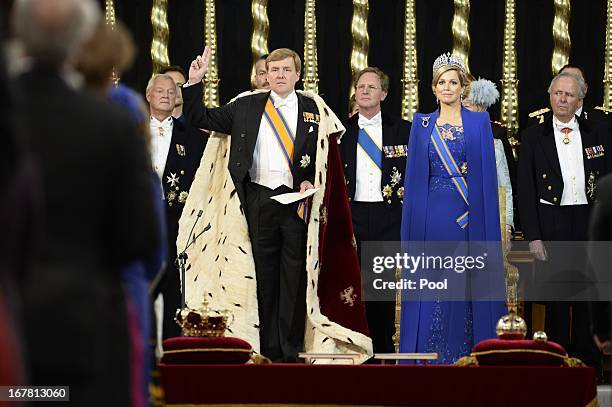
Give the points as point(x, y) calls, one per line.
point(348, 296)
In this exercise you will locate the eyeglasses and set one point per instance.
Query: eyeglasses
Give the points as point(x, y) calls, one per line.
point(370, 88)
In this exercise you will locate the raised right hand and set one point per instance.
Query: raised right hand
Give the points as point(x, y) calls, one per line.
point(199, 66)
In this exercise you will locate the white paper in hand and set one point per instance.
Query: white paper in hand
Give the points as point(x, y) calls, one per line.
point(294, 196)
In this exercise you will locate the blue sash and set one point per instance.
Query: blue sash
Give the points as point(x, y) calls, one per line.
point(453, 171)
point(366, 142)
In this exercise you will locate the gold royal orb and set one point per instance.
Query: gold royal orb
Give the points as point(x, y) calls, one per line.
point(511, 326)
point(203, 321)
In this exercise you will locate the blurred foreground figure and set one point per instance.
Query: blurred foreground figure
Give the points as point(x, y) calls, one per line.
point(97, 212)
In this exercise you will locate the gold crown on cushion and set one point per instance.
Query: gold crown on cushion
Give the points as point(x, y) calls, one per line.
point(448, 59)
point(203, 321)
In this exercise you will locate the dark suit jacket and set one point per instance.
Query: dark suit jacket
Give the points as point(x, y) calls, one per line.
point(98, 215)
point(182, 162)
point(539, 171)
point(241, 118)
point(395, 132)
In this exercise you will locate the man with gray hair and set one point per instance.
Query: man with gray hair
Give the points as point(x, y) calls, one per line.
point(559, 164)
point(98, 214)
point(176, 151)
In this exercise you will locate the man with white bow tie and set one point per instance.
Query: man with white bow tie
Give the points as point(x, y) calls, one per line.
point(273, 151)
point(374, 152)
point(560, 161)
point(176, 150)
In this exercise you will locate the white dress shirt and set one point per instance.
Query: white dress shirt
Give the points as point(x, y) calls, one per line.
point(269, 164)
point(571, 161)
point(161, 137)
point(368, 175)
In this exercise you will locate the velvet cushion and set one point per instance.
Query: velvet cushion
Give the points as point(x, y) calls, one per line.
point(518, 352)
point(200, 350)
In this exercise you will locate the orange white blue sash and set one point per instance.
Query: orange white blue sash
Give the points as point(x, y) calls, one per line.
point(453, 171)
point(282, 132)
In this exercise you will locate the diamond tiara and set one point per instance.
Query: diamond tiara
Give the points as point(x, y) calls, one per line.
point(446, 60)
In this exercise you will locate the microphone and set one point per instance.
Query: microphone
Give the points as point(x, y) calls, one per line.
point(181, 259)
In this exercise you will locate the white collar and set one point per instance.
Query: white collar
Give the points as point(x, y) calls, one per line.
point(558, 124)
point(289, 101)
point(166, 123)
point(376, 120)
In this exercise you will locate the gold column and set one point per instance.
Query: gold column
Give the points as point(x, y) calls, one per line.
point(109, 12)
point(607, 100)
point(111, 19)
point(561, 36)
point(461, 33)
point(310, 76)
point(159, 44)
point(410, 81)
point(509, 99)
point(211, 80)
point(261, 27)
point(361, 39)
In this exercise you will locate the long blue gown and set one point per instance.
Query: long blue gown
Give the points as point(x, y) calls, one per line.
point(449, 328)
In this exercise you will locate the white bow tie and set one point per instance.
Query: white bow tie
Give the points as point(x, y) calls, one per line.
point(290, 103)
point(374, 121)
point(163, 127)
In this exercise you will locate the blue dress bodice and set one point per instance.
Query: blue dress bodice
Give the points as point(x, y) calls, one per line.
point(455, 140)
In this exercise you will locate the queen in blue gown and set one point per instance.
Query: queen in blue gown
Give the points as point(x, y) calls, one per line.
point(440, 208)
